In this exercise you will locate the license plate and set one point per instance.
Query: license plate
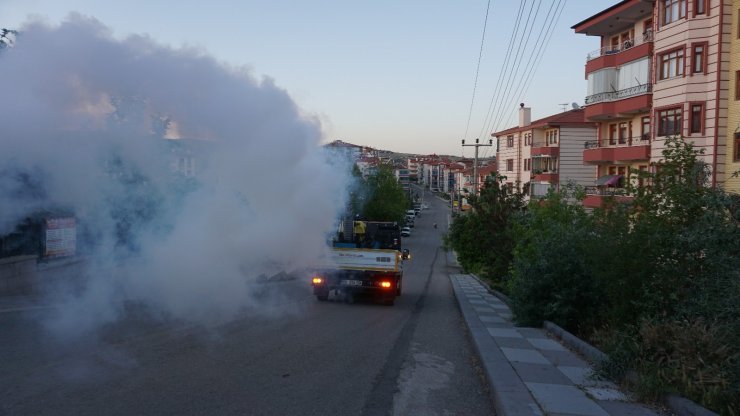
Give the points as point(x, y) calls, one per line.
point(351, 282)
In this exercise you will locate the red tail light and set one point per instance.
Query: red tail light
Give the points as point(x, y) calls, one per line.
point(386, 284)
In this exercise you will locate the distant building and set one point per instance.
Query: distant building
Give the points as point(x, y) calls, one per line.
point(542, 154)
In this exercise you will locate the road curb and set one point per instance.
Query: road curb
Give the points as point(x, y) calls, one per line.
point(681, 406)
point(509, 395)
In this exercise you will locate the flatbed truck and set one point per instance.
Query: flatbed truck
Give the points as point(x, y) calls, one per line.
point(369, 261)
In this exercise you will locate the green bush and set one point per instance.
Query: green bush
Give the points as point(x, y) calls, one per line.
point(551, 276)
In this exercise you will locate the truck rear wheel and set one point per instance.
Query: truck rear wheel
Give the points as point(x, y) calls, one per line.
point(389, 301)
point(324, 296)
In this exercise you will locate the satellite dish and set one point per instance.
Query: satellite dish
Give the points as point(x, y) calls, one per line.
point(575, 106)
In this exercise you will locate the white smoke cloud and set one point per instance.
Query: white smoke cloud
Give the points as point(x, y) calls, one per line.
point(82, 117)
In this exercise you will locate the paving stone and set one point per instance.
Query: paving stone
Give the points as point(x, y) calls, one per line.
point(492, 318)
point(564, 358)
point(521, 355)
point(483, 309)
point(585, 376)
point(500, 306)
point(477, 302)
point(540, 373)
point(520, 343)
point(599, 393)
point(547, 344)
point(532, 332)
point(625, 409)
point(556, 398)
point(504, 333)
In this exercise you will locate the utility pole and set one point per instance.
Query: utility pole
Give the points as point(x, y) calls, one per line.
point(475, 162)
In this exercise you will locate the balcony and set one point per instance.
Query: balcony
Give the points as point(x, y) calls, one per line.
point(620, 150)
point(617, 55)
point(552, 151)
point(545, 175)
point(596, 196)
point(615, 104)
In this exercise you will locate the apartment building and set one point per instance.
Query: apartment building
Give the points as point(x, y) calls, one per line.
point(542, 154)
point(661, 70)
point(732, 184)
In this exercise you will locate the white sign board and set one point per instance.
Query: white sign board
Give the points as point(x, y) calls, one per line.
point(61, 237)
point(365, 259)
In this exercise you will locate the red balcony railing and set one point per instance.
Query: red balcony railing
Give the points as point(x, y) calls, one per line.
point(628, 44)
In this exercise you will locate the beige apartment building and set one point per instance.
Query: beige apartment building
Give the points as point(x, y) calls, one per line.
point(732, 161)
point(542, 154)
point(661, 70)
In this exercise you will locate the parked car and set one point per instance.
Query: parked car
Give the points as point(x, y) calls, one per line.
point(405, 232)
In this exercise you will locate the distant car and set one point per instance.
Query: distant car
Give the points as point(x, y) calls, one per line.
point(405, 232)
point(410, 212)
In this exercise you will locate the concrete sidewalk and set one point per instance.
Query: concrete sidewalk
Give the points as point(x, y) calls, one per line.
point(530, 373)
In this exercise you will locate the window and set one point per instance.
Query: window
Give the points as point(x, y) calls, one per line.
point(696, 122)
point(527, 164)
point(672, 10)
point(510, 141)
point(671, 64)
point(736, 150)
point(645, 133)
point(698, 58)
point(700, 7)
point(612, 134)
point(669, 122)
point(622, 133)
point(509, 165)
point(737, 85)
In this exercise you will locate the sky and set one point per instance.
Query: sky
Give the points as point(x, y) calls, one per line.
point(394, 75)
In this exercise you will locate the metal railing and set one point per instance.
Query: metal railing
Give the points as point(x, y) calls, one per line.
point(544, 171)
point(627, 44)
point(605, 191)
point(642, 140)
point(619, 95)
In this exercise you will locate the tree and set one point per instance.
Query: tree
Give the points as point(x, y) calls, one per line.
point(385, 199)
point(483, 238)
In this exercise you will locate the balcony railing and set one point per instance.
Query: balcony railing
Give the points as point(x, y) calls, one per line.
point(643, 140)
point(540, 171)
point(619, 95)
point(629, 43)
point(605, 191)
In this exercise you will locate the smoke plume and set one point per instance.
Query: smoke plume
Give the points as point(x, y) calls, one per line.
point(187, 177)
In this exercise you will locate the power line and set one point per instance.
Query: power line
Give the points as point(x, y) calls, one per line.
point(509, 72)
point(477, 69)
point(504, 65)
point(540, 55)
point(519, 55)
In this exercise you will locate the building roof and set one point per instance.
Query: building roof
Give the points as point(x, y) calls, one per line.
point(576, 117)
point(615, 18)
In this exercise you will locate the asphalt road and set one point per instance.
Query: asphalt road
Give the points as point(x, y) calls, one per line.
point(298, 357)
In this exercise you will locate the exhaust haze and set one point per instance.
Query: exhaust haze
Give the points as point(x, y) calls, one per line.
point(88, 125)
